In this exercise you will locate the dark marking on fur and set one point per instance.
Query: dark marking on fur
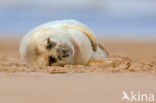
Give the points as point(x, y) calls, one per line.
point(50, 44)
point(52, 60)
point(59, 57)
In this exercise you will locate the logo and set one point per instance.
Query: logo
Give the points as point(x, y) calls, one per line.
point(137, 97)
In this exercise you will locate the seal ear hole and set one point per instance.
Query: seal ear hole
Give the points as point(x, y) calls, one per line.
point(52, 60)
point(50, 44)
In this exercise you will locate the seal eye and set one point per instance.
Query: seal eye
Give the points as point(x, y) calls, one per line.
point(51, 60)
point(50, 44)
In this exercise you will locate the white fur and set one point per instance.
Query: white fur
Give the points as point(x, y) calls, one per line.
point(57, 32)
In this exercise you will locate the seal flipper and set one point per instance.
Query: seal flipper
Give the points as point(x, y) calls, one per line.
point(87, 33)
point(101, 53)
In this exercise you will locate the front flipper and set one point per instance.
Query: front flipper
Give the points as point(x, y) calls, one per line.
point(87, 33)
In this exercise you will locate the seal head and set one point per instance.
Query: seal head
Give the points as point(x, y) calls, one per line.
point(48, 51)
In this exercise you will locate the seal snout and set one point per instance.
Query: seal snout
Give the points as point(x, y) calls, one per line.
point(64, 51)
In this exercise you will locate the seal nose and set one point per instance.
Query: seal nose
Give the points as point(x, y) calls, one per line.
point(64, 53)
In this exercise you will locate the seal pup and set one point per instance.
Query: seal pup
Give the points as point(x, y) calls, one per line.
point(59, 43)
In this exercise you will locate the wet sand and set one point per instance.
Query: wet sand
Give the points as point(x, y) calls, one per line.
point(131, 67)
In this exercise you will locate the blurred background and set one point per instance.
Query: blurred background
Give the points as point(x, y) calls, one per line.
point(111, 18)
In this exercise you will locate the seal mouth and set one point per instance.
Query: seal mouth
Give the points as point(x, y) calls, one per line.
point(52, 60)
point(66, 55)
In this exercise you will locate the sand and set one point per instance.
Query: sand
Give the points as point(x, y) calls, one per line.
point(131, 67)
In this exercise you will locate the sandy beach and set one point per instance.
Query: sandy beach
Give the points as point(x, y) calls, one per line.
point(130, 67)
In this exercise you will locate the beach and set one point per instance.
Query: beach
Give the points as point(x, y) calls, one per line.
point(130, 67)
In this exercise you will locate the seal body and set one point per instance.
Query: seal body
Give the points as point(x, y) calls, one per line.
point(60, 43)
